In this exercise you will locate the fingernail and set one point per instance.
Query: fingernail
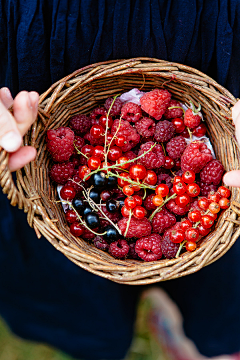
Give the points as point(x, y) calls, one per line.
point(225, 179)
point(7, 92)
point(34, 99)
point(11, 141)
point(29, 102)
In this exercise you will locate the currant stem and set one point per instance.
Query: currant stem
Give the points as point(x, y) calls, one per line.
point(131, 181)
point(159, 208)
point(180, 248)
point(128, 223)
point(177, 107)
point(78, 151)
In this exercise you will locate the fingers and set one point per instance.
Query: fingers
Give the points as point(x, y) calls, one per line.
point(25, 110)
point(6, 97)
point(236, 111)
point(10, 137)
point(21, 157)
point(232, 178)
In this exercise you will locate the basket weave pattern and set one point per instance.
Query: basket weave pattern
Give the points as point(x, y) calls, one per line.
point(80, 92)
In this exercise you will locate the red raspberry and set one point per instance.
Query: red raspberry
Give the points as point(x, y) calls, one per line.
point(148, 204)
point(61, 173)
point(75, 160)
point(164, 131)
point(131, 155)
point(176, 146)
point(100, 243)
point(132, 253)
point(155, 102)
point(116, 108)
point(96, 114)
point(60, 143)
point(88, 235)
point(162, 220)
point(78, 143)
point(145, 127)
point(192, 119)
point(212, 173)
point(173, 113)
point(149, 248)
point(119, 249)
point(169, 248)
point(174, 208)
point(114, 217)
point(93, 141)
point(131, 112)
point(132, 137)
point(137, 228)
point(205, 188)
point(75, 181)
point(80, 124)
point(165, 179)
point(195, 157)
point(153, 159)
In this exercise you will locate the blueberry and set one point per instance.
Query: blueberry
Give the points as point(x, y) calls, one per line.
point(92, 220)
point(78, 204)
point(111, 235)
point(111, 206)
point(86, 210)
point(99, 180)
point(112, 181)
point(94, 195)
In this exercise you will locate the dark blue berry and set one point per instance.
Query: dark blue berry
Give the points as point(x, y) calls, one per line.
point(111, 206)
point(94, 195)
point(92, 220)
point(111, 234)
point(78, 204)
point(99, 180)
point(86, 210)
point(112, 181)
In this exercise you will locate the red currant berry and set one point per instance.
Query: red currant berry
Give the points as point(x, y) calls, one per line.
point(114, 153)
point(98, 151)
point(120, 140)
point(139, 212)
point(83, 171)
point(76, 229)
point(224, 192)
point(182, 200)
point(200, 130)
point(105, 195)
point(193, 189)
point(177, 179)
point(71, 216)
point(224, 203)
point(203, 203)
point(212, 216)
point(185, 134)
point(110, 139)
point(136, 187)
point(190, 245)
point(192, 234)
point(67, 192)
point(162, 190)
point(121, 161)
point(179, 188)
point(185, 224)
point(188, 177)
point(94, 162)
point(130, 202)
point(202, 230)
point(122, 182)
point(214, 196)
point(177, 236)
point(194, 215)
point(105, 165)
point(178, 124)
point(104, 120)
point(137, 172)
point(157, 200)
point(128, 190)
point(125, 211)
point(214, 208)
point(206, 221)
point(96, 131)
point(138, 200)
point(169, 163)
point(87, 150)
point(150, 178)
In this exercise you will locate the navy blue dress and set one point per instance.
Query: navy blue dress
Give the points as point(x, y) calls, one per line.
point(45, 297)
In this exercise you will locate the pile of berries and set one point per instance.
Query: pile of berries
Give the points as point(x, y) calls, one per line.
point(135, 183)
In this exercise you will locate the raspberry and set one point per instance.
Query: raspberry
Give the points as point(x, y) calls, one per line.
point(78, 143)
point(61, 173)
point(75, 160)
point(131, 155)
point(93, 141)
point(74, 183)
point(212, 173)
point(169, 248)
point(149, 248)
point(148, 204)
point(131, 112)
point(153, 159)
point(205, 188)
point(132, 137)
point(114, 217)
point(119, 249)
point(173, 113)
point(60, 143)
point(145, 127)
point(80, 124)
point(174, 208)
point(137, 228)
point(165, 179)
point(96, 114)
point(132, 253)
point(164, 131)
point(88, 235)
point(195, 157)
point(155, 102)
point(100, 243)
point(162, 220)
point(176, 146)
point(192, 119)
point(116, 108)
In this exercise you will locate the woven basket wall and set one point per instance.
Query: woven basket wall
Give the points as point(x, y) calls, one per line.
point(80, 92)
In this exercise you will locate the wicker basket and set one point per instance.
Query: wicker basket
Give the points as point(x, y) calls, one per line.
point(79, 93)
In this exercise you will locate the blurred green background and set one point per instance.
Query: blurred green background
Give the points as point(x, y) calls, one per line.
point(144, 345)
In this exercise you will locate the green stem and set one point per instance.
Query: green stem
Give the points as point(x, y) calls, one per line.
point(159, 208)
point(180, 248)
point(128, 223)
point(131, 181)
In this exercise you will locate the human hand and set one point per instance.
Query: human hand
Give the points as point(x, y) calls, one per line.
point(13, 127)
point(232, 178)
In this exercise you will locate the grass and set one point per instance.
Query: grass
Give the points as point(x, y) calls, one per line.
point(144, 345)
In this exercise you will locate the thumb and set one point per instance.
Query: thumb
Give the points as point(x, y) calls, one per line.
point(232, 178)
